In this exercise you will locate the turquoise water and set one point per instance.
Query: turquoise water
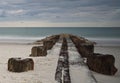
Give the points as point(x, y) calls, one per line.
point(34, 33)
point(39, 32)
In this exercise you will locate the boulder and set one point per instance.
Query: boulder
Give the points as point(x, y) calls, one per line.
point(48, 44)
point(38, 51)
point(50, 41)
point(84, 47)
point(101, 63)
point(53, 38)
point(85, 50)
point(20, 65)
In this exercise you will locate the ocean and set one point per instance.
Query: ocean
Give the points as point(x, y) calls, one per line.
point(101, 35)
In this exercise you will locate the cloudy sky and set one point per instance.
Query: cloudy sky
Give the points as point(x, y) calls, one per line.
point(60, 13)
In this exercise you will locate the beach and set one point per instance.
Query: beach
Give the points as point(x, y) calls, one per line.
point(59, 41)
point(18, 42)
point(45, 66)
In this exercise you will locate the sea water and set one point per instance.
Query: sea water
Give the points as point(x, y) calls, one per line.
point(100, 35)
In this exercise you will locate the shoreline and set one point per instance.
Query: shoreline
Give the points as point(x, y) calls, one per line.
point(34, 43)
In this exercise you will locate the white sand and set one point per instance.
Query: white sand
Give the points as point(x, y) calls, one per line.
point(44, 69)
point(45, 66)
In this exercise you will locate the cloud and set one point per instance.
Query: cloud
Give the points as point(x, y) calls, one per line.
point(2, 13)
point(60, 10)
point(15, 12)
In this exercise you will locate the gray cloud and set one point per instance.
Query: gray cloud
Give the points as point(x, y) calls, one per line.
point(60, 10)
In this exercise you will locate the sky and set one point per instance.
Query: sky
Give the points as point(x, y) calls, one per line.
point(62, 13)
